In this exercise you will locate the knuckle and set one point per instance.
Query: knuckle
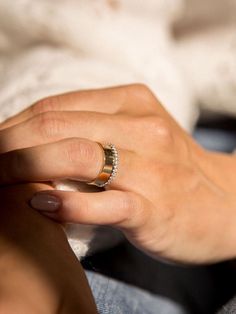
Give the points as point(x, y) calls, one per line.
point(141, 92)
point(139, 88)
point(128, 203)
point(158, 128)
point(77, 150)
point(51, 103)
point(138, 97)
point(49, 124)
point(126, 209)
point(133, 210)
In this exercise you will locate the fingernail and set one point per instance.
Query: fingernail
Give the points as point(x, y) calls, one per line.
point(45, 202)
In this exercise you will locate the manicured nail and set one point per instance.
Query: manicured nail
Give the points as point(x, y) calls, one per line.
point(45, 202)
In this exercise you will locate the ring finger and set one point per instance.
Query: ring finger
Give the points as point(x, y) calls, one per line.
point(74, 158)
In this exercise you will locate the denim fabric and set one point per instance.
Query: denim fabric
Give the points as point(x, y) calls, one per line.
point(216, 140)
point(229, 308)
point(199, 290)
point(114, 297)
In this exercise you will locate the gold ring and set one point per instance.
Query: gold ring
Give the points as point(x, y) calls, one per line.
point(109, 167)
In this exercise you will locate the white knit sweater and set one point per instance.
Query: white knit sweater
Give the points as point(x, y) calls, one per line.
point(49, 47)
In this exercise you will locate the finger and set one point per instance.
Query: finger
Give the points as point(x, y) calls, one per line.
point(76, 159)
point(108, 100)
point(115, 208)
point(54, 126)
point(90, 100)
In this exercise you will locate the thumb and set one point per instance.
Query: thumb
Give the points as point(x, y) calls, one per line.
point(115, 208)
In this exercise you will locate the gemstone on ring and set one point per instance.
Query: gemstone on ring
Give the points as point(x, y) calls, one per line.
point(110, 166)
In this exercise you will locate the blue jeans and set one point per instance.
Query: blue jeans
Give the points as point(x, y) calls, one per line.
point(124, 280)
point(115, 297)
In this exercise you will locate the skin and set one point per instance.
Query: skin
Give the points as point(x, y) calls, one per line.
point(171, 198)
point(39, 272)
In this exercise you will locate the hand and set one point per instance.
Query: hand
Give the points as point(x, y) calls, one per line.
point(170, 197)
point(39, 272)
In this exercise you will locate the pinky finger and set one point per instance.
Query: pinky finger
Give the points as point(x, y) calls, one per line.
point(125, 210)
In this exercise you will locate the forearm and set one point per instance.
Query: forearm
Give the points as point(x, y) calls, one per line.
point(40, 272)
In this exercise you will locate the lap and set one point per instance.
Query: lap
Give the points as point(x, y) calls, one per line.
point(115, 297)
point(200, 290)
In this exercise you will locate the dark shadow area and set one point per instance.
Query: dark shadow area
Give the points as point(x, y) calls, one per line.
point(201, 289)
point(217, 133)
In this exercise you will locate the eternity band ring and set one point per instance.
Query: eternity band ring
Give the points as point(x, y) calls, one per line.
point(109, 168)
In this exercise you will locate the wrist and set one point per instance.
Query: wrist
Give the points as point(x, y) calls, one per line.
point(219, 199)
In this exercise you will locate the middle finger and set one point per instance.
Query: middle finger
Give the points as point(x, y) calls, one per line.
point(106, 100)
point(52, 126)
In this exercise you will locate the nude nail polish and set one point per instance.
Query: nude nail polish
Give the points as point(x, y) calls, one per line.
point(45, 202)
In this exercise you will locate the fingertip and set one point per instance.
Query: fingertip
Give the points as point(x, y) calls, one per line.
point(45, 201)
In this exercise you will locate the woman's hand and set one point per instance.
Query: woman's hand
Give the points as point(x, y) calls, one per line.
point(171, 198)
point(39, 272)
